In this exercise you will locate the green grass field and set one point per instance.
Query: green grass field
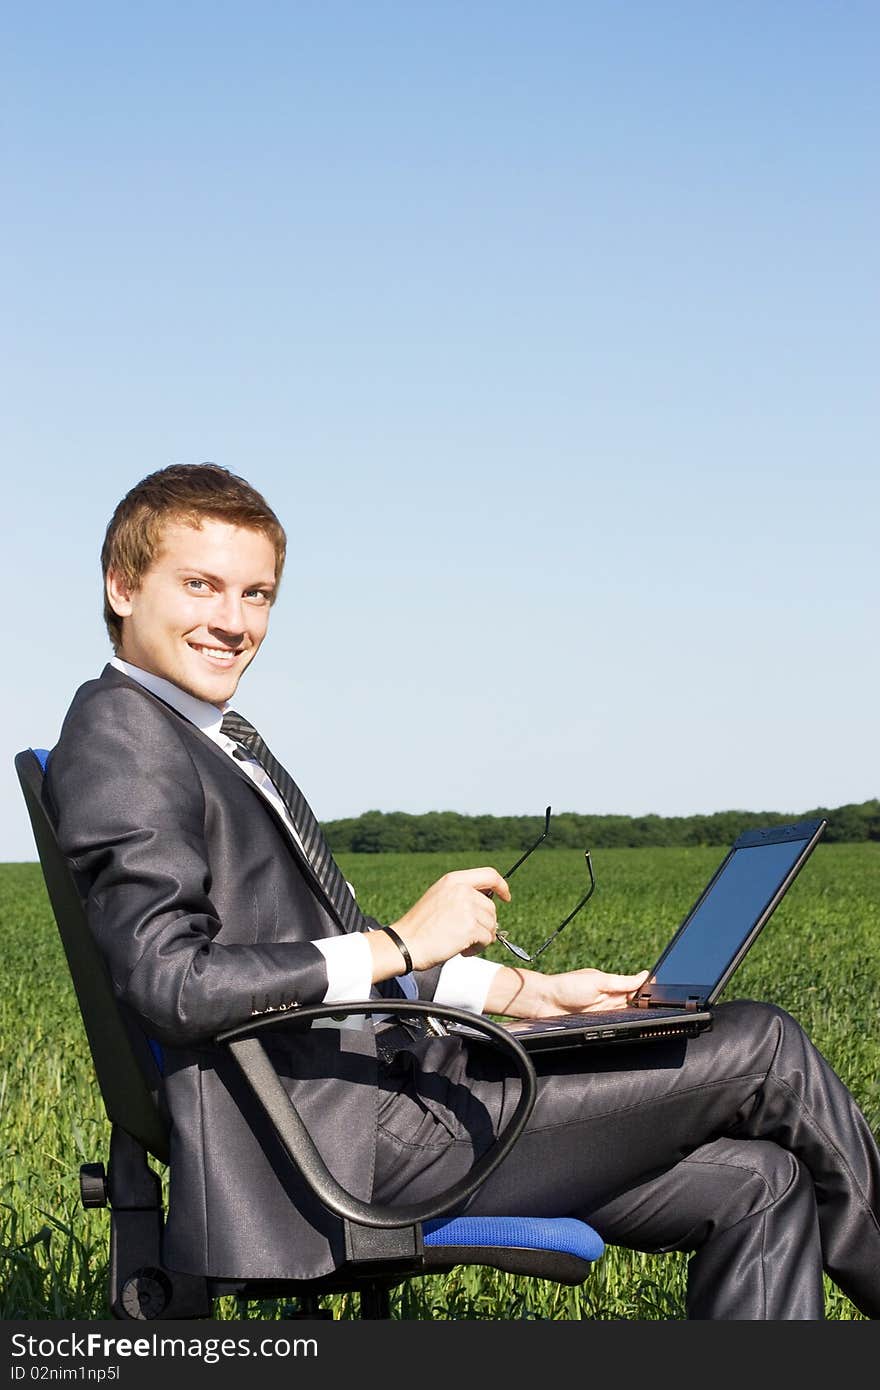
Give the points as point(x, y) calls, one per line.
point(821, 947)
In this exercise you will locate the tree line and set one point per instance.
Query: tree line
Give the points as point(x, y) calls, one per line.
point(379, 832)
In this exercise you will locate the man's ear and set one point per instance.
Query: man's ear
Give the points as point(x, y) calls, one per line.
point(118, 594)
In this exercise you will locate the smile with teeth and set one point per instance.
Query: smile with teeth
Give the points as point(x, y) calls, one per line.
point(222, 655)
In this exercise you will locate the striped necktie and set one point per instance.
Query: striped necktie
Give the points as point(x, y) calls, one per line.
point(326, 870)
point(310, 833)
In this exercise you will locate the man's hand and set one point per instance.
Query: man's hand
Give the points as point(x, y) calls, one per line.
point(453, 916)
point(531, 994)
point(588, 991)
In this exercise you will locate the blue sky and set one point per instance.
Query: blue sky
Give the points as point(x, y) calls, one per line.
point(549, 331)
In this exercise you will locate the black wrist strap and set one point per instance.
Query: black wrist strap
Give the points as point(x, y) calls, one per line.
point(402, 948)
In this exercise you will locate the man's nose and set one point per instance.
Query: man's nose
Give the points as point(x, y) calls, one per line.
point(228, 616)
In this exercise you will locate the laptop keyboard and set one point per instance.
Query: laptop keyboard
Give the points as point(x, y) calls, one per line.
point(601, 1020)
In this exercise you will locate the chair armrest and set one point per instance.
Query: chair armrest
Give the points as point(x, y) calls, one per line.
point(254, 1062)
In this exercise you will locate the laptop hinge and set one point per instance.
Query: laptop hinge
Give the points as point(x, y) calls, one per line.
point(692, 1003)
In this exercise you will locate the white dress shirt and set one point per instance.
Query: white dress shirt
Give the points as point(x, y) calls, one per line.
point(464, 980)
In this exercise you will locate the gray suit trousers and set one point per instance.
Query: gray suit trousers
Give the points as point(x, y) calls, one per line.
point(741, 1146)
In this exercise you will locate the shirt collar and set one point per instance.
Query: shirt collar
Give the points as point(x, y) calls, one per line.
point(206, 717)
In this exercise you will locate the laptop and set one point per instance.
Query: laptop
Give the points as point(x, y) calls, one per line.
point(676, 1000)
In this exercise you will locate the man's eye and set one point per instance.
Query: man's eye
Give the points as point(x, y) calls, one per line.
point(256, 595)
point(196, 584)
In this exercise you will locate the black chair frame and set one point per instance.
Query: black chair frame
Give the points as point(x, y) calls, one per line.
point(383, 1245)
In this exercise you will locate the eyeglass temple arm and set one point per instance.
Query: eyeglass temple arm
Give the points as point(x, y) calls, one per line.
point(533, 847)
point(575, 910)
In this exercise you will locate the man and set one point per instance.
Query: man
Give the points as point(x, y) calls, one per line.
point(213, 896)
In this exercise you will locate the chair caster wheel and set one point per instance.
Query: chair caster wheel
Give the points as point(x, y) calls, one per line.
point(145, 1294)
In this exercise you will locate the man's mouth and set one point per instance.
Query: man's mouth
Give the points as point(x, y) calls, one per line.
point(221, 656)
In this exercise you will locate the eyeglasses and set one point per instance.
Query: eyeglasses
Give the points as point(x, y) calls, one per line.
point(501, 936)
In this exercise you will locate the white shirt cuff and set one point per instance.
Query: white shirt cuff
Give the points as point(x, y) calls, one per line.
point(464, 982)
point(350, 976)
point(349, 967)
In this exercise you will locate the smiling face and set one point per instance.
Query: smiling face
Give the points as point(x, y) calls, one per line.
point(201, 610)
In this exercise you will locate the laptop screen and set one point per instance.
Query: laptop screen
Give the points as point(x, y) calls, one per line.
point(722, 920)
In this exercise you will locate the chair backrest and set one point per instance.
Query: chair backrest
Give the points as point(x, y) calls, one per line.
point(121, 1067)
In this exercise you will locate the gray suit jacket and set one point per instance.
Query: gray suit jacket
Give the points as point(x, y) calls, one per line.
point(206, 911)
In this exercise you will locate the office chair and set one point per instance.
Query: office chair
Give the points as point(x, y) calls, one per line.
point(384, 1246)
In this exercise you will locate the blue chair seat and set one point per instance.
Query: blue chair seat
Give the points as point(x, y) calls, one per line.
point(560, 1248)
point(562, 1233)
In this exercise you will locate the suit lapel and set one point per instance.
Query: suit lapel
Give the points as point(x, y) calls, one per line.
point(111, 674)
